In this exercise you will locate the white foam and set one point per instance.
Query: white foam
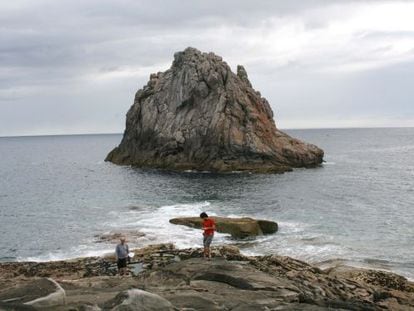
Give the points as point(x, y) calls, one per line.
point(74, 252)
point(154, 222)
point(291, 227)
point(195, 171)
point(237, 216)
point(293, 238)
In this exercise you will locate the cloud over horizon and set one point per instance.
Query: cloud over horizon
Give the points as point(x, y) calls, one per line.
point(74, 66)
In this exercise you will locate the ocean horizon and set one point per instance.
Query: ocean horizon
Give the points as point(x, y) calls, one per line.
point(282, 129)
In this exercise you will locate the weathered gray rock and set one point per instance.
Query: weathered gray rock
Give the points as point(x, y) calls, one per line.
point(89, 308)
point(199, 115)
point(39, 293)
point(138, 300)
point(263, 283)
point(15, 307)
point(237, 227)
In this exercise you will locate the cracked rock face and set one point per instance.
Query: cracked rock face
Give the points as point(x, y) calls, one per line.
point(199, 115)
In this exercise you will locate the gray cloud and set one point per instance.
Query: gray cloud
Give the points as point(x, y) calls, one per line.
point(73, 66)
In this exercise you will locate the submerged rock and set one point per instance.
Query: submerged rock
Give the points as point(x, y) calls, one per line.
point(237, 227)
point(199, 115)
point(114, 236)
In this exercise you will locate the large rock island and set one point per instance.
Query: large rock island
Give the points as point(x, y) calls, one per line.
point(199, 115)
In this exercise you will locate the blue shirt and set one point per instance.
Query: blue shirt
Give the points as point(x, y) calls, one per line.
point(122, 251)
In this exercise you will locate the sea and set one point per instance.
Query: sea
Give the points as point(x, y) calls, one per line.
point(57, 194)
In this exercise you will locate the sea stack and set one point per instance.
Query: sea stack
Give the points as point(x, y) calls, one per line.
point(199, 115)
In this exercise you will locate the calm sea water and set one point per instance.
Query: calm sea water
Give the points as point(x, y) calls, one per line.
point(57, 193)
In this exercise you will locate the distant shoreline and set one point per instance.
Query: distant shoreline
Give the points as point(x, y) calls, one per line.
point(282, 129)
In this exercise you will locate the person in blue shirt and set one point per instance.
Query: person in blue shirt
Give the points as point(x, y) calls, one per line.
point(122, 252)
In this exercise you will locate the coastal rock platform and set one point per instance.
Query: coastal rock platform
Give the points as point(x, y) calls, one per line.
point(180, 279)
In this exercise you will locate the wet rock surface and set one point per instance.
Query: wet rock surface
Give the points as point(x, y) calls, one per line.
point(199, 115)
point(180, 279)
point(237, 227)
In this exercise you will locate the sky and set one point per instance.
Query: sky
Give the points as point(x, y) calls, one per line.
point(73, 66)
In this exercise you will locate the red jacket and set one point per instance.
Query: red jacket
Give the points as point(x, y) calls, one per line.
point(209, 223)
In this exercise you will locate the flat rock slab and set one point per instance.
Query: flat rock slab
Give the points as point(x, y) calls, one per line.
point(237, 227)
point(221, 285)
point(238, 275)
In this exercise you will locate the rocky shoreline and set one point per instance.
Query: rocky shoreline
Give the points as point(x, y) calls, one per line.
point(165, 278)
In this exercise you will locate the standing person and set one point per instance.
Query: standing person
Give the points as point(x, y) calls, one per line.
point(122, 251)
point(209, 227)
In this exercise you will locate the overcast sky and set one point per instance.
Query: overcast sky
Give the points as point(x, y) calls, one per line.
point(73, 66)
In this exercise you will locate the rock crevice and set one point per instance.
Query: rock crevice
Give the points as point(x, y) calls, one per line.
point(200, 115)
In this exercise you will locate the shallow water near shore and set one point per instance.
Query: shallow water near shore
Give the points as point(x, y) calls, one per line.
point(57, 193)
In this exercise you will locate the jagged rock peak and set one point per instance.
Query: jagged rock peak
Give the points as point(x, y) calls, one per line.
point(199, 115)
point(242, 74)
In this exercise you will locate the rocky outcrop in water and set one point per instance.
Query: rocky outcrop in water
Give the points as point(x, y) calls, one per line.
point(199, 115)
point(132, 236)
point(237, 227)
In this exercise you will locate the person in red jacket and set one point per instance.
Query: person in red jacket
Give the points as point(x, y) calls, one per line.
point(209, 227)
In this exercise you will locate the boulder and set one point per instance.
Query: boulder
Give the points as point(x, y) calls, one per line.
point(138, 300)
point(199, 115)
point(39, 293)
point(237, 227)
